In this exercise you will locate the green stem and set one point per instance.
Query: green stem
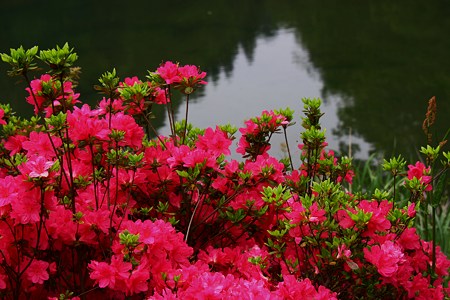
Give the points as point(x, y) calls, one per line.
point(186, 119)
point(394, 186)
point(94, 179)
point(433, 233)
point(287, 146)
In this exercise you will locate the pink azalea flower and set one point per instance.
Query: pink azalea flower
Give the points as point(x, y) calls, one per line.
point(191, 76)
point(37, 271)
point(8, 190)
point(26, 207)
point(316, 215)
point(169, 72)
point(105, 106)
point(290, 288)
point(159, 96)
point(2, 114)
point(412, 210)
point(420, 172)
point(386, 258)
point(37, 167)
point(378, 221)
point(409, 239)
point(343, 252)
point(39, 99)
point(14, 143)
point(132, 80)
point(133, 132)
point(138, 281)
point(214, 141)
point(103, 274)
point(40, 144)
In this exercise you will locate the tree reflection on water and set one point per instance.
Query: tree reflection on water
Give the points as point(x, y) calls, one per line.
point(381, 60)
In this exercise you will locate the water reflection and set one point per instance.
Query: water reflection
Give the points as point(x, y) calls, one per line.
point(233, 99)
point(375, 63)
point(384, 60)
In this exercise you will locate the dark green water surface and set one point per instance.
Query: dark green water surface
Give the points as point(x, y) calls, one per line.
point(374, 63)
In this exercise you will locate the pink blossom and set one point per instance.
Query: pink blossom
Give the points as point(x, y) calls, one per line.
point(42, 99)
point(133, 132)
point(14, 143)
point(40, 144)
point(36, 89)
point(84, 125)
point(420, 172)
point(160, 97)
point(386, 258)
point(214, 141)
point(37, 167)
point(412, 210)
point(2, 114)
point(344, 218)
point(103, 274)
point(191, 76)
point(137, 282)
point(409, 239)
point(378, 221)
point(316, 215)
point(26, 207)
point(105, 106)
point(37, 271)
point(343, 251)
point(169, 72)
point(8, 190)
point(290, 288)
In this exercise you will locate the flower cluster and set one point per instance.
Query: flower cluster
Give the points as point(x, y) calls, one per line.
point(185, 78)
point(50, 95)
point(420, 173)
point(91, 207)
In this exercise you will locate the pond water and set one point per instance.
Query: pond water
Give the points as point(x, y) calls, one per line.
point(375, 64)
point(249, 91)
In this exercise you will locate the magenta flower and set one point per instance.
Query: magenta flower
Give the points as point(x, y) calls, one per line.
point(2, 114)
point(8, 190)
point(38, 167)
point(37, 271)
point(422, 173)
point(14, 143)
point(103, 274)
point(192, 75)
point(215, 141)
point(40, 144)
point(169, 72)
point(386, 258)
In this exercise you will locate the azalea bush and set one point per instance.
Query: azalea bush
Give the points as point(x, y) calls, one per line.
point(94, 203)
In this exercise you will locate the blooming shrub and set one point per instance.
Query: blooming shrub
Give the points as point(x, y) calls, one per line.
point(92, 207)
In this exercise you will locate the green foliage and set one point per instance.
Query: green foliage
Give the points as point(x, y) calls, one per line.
point(128, 239)
point(395, 165)
point(60, 60)
point(21, 60)
point(109, 82)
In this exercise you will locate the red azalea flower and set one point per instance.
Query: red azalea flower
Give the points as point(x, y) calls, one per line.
point(37, 167)
point(420, 172)
point(14, 143)
point(169, 72)
point(103, 274)
point(39, 143)
point(37, 271)
point(386, 258)
point(2, 114)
